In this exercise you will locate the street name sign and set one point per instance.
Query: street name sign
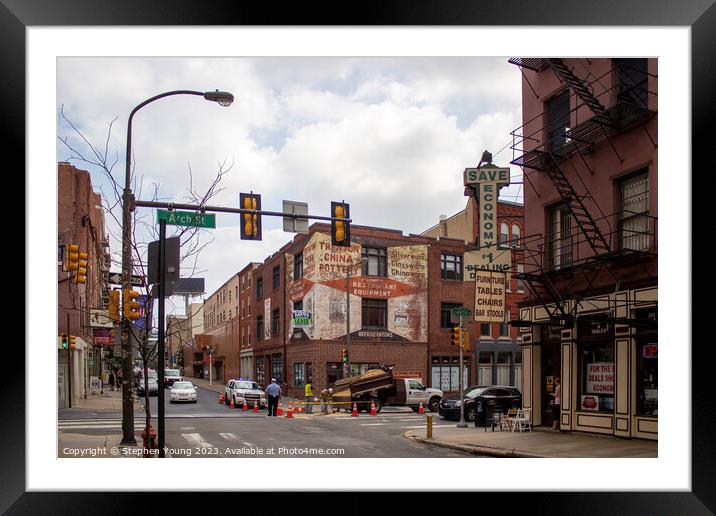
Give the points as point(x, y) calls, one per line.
point(187, 218)
point(115, 278)
point(461, 311)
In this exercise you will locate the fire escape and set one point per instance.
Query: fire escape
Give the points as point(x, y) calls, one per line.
point(548, 145)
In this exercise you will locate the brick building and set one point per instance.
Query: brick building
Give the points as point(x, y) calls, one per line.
point(496, 348)
point(588, 147)
point(80, 221)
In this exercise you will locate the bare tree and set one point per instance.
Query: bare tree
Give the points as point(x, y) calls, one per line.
point(143, 230)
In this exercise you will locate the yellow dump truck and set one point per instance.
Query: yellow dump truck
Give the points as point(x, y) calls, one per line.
point(382, 387)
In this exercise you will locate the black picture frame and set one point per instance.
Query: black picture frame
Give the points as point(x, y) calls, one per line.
point(700, 16)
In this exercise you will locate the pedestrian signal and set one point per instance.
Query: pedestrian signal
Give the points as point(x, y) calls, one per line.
point(251, 223)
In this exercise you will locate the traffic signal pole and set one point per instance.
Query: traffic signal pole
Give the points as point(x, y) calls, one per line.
point(461, 423)
point(160, 337)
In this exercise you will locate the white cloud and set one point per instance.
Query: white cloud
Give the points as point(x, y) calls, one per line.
point(391, 136)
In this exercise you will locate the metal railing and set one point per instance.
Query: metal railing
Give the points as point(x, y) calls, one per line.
point(634, 233)
point(626, 103)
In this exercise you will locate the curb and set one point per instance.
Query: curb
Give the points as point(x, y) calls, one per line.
point(475, 449)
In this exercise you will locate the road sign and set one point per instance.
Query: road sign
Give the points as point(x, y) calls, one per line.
point(461, 311)
point(291, 224)
point(187, 218)
point(115, 278)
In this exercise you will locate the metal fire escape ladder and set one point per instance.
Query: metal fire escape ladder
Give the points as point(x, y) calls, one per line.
point(577, 85)
point(584, 220)
point(544, 292)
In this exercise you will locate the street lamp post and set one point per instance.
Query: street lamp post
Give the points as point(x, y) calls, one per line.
point(347, 365)
point(223, 99)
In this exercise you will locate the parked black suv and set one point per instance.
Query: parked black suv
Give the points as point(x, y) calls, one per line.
point(500, 397)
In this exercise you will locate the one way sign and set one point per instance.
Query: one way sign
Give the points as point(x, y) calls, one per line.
point(115, 278)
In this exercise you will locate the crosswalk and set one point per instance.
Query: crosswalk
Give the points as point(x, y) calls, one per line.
point(95, 423)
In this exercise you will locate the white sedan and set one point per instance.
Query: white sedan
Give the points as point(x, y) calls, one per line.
point(182, 391)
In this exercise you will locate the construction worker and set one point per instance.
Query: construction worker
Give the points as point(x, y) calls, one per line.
point(309, 398)
point(326, 396)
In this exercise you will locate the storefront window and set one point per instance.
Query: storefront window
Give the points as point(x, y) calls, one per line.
point(445, 373)
point(260, 377)
point(503, 368)
point(597, 377)
point(298, 378)
point(484, 371)
point(518, 370)
point(647, 365)
point(276, 368)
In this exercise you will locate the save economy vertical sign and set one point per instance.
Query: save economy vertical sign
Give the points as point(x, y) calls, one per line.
point(490, 267)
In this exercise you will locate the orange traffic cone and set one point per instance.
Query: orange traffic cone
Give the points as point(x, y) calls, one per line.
point(295, 408)
point(290, 408)
point(245, 407)
point(289, 412)
point(372, 408)
point(354, 412)
point(222, 398)
point(256, 407)
point(421, 410)
point(279, 410)
point(303, 409)
point(232, 403)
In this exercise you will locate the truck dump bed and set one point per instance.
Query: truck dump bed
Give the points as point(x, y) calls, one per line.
point(355, 386)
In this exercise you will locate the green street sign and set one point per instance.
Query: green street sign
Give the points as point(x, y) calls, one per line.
point(187, 218)
point(461, 311)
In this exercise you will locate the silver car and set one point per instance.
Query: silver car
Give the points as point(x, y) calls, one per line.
point(182, 391)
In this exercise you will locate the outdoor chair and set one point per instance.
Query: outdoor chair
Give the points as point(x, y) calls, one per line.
point(522, 420)
point(507, 419)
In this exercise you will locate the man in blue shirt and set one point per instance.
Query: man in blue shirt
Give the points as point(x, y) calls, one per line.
point(273, 392)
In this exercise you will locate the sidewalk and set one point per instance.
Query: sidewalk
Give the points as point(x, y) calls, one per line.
point(539, 443)
point(72, 444)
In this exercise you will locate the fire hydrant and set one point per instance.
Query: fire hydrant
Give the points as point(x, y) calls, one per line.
point(152, 444)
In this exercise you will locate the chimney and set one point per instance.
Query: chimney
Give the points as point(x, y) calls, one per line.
point(443, 225)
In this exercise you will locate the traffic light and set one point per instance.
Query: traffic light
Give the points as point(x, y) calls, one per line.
point(114, 305)
point(131, 307)
point(455, 336)
point(251, 225)
point(340, 230)
point(465, 339)
point(65, 341)
point(81, 275)
point(73, 257)
point(344, 356)
point(72, 342)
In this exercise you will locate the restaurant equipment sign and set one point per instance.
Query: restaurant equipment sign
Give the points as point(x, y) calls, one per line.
point(600, 378)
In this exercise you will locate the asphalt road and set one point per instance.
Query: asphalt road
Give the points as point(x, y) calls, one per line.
point(209, 429)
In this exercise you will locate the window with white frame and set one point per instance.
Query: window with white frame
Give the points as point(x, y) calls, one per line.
point(634, 213)
point(504, 235)
point(516, 232)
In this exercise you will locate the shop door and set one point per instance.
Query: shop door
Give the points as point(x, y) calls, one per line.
point(62, 386)
point(551, 367)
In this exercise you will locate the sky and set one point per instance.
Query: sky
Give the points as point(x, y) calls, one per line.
point(389, 136)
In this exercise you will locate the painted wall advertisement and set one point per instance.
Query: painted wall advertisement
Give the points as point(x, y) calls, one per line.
point(322, 290)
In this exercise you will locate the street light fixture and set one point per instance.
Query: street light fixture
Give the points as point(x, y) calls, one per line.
point(223, 99)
